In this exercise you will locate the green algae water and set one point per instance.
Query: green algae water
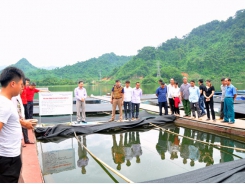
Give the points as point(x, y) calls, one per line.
point(138, 155)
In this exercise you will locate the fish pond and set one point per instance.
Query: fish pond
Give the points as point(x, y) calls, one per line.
point(139, 154)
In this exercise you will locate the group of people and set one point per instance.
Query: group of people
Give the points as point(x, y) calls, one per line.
point(16, 110)
point(193, 98)
point(126, 97)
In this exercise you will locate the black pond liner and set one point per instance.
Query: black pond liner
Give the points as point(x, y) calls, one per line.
point(229, 172)
point(59, 132)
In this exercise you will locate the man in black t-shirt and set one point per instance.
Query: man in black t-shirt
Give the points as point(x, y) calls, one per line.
point(201, 99)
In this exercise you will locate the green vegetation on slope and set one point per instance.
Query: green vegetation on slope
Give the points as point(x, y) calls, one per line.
point(88, 70)
point(212, 51)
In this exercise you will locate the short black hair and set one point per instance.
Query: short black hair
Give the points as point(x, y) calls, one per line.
point(137, 82)
point(229, 79)
point(160, 80)
point(117, 80)
point(127, 82)
point(222, 79)
point(176, 83)
point(9, 74)
point(200, 80)
point(33, 84)
point(193, 81)
point(27, 79)
point(162, 83)
point(24, 82)
point(80, 81)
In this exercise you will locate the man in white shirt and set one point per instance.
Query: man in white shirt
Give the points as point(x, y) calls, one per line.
point(80, 95)
point(137, 94)
point(11, 80)
point(170, 88)
point(128, 91)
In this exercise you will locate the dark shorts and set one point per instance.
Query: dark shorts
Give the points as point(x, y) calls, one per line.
point(10, 169)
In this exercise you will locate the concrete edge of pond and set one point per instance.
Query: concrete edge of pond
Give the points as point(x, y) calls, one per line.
point(31, 169)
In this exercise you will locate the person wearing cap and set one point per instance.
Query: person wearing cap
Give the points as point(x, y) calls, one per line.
point(117, 98)
point(30, 92)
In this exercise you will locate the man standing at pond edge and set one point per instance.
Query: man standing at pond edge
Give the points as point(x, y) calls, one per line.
point(81, 95)
point(230, 96)
point(184, 94)
point(117, 97)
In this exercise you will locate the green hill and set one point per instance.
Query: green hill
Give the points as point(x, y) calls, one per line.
point(212, 51)
point(88, 71)
point(25, 66)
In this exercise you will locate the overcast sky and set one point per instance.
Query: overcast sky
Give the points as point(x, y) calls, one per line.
point(61, 32)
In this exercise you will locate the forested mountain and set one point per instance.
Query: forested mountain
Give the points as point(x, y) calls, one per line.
point(212, 51)
point(25, 66)
point(87, 70)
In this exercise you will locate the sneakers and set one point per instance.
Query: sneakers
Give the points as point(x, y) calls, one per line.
point(133, 119)
point(84, 122)
point(224, 122)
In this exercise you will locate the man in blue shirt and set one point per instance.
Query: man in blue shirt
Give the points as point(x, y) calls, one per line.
point(161, 93)
point(194, 96)
point(230, 96)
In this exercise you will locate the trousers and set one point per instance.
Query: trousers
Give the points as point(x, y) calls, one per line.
point(229, 114)
point(161, 105)
point(30, 109)
point(201, 104)
point(115, 103)
point(171, 105)
point(187, 108)
point(127, 109)
point(10, 168)
point(24, 130)
point(210, 105)
point(222, 110)
point(195, 107)
point(80, 106)
point(136, 109)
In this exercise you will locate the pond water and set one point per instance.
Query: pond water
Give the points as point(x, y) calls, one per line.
point(104, 89)
point(140, 156)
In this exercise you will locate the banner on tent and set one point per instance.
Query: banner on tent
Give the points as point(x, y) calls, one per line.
point(55, 103)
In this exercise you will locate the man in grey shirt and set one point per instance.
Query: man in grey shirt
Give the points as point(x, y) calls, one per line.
point(223, 88)
point(184, 93)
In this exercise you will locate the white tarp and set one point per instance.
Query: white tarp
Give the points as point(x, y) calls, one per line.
point(55, 103)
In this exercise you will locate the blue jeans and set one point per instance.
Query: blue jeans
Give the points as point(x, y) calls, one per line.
point(127, 109)
point(201, 104)
point(135, 107)
point(161, 105)
point(229, 113)
point(30, 109)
